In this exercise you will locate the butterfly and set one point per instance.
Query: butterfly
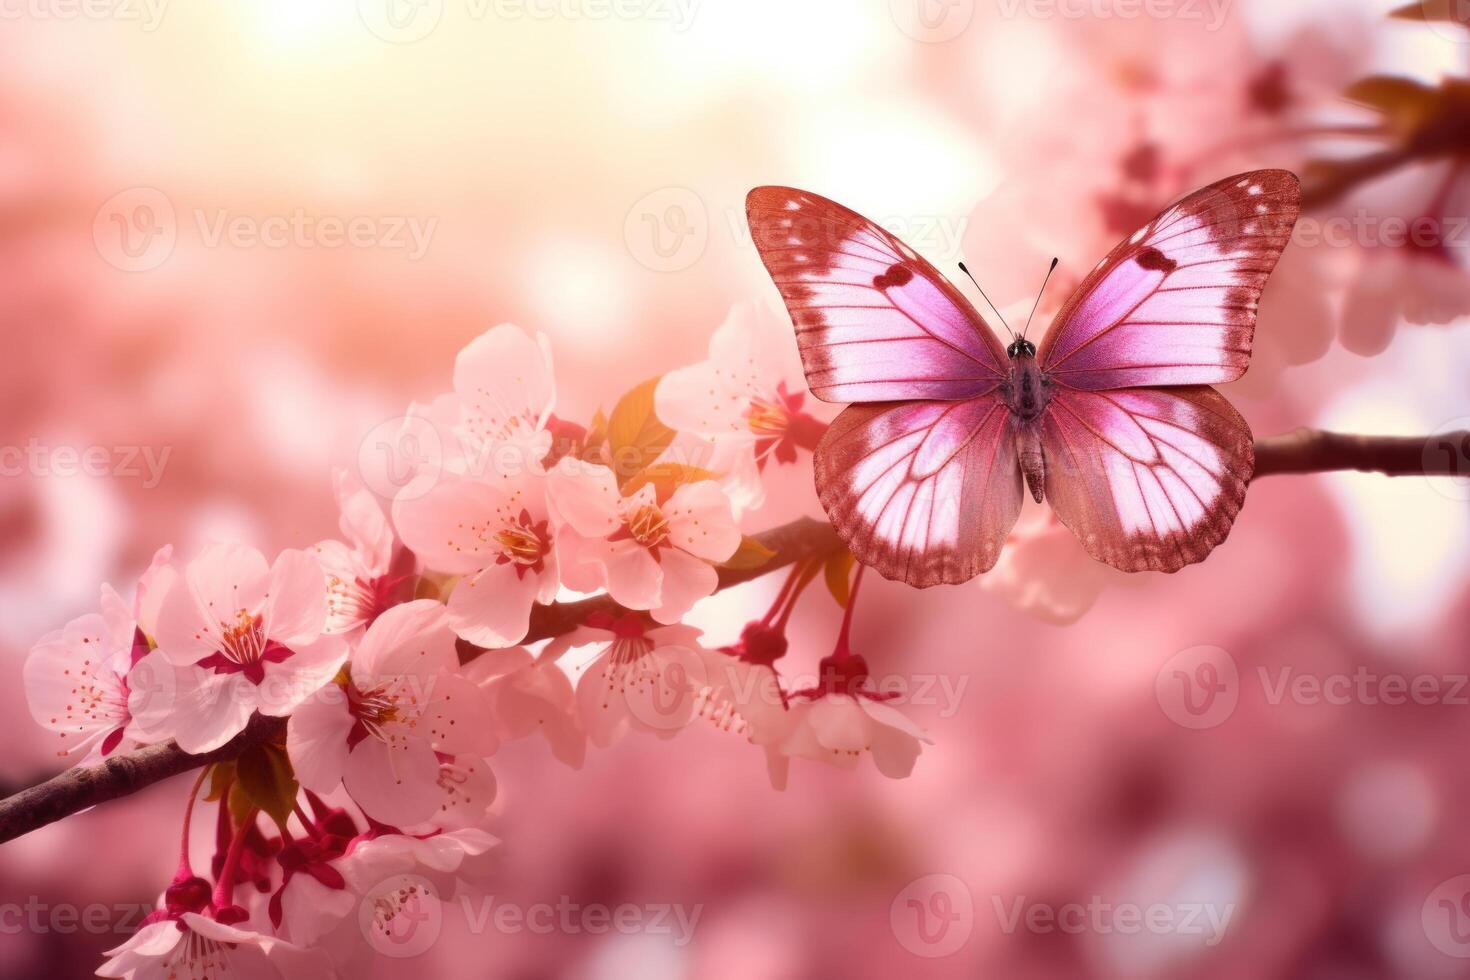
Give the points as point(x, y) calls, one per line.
point(1111, 419)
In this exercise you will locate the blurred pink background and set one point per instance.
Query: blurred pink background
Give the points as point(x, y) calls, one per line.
point(580, 169)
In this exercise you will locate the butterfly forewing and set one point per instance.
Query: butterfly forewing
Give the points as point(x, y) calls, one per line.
point(924, 492)
point(1175, 304)
point(874, 321)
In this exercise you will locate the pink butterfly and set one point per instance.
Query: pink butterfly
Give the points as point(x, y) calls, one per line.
point(1112, 420)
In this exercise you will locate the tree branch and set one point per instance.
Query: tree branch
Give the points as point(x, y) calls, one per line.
point(1315, 451)
point(1301, 451)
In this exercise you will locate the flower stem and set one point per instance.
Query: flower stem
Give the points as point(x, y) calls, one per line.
point(842, 651)
point(186, 869)
point(224, 891)
point(808, 571)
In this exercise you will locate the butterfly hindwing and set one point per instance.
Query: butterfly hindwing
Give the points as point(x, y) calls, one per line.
point(924, 492)
point(874, 321)
point(1175, 304)
point(1147, 478)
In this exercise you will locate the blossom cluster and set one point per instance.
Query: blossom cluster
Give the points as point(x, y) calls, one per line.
point(368, 680)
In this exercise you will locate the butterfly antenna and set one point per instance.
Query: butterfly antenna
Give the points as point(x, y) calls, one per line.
point(1038, 297)
point(987, 299)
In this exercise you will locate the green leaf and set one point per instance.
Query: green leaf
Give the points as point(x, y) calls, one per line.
point(266, 778)
point(838, 573)
point(751, 554)
point(635, 436)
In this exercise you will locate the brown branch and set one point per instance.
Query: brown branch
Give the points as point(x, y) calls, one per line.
point(1315, 451)
point(1302, 451)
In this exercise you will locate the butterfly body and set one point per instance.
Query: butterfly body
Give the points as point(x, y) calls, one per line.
point(1111, 418)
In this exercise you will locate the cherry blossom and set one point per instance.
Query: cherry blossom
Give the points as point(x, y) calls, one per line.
point(193, 946)
point(748, 396)
point(1045, 572)
point(839, 721)
point(250, 637)
point(77, 679)
point(528, 696)
point(386, 882)
point(495, 532)
point(648, 553)
point(642, 678)
point(402, 704)
point(362, 580)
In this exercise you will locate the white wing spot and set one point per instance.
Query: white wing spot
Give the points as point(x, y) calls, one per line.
point(1255, 189)
point(1242, 183)
point(1138, 236)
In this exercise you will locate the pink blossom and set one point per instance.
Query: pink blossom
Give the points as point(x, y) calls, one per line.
point(402, 703)
point(361, 579)
point(648, 554)
point(530, 696)
point(77, 678)
point(747, 398)
point(1045, 572)
point(496, 534)
point(193, 946)
point(249, 637)
point(641, 678)
point(839, 721)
